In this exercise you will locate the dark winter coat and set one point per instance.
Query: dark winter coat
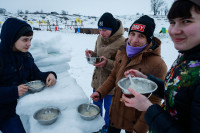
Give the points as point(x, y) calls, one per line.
point(15, 68)
point(147, 61)
point(107, 48)
point(181, 109)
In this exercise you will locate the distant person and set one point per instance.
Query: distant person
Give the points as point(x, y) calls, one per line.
point(108, 42)
point(17, 67)
point(180, 90)
point(140, 51)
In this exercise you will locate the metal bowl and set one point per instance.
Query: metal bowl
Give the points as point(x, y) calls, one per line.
point(141, 85)
point(93, 60)
point(47, 115)
point(35, 86)
point(88, 113)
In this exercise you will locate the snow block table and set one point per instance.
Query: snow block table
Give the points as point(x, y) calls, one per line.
point(67, 96)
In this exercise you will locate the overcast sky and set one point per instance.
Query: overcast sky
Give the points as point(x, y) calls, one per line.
point(82, 7)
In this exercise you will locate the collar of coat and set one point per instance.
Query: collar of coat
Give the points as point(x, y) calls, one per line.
point(149, 48)
point(145, 52)
point(192, 54)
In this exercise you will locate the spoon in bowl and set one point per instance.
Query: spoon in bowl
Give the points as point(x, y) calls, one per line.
point(88, 107)
point(132, 85)
point(129, 76)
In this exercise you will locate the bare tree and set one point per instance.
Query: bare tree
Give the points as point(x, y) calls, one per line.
point(63, 12)
point(19, 12)
point(166, 10)
point(156, 6)
point(36, 12)
point(26, 11)
point(2, 11)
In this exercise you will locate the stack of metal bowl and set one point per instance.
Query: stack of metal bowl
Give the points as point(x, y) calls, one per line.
point(88, 111)
point(47, 115)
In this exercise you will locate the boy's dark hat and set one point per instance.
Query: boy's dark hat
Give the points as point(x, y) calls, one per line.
point(144, 25)
point(107, 21)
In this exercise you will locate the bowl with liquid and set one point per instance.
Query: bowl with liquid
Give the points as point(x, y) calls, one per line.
point(88, 113)
point(35, 86)
point(47, 115)
point(140, 85)
point(93, 60)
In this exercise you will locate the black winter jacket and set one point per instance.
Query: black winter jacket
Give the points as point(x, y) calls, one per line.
point(15, 68)
point(181, 91)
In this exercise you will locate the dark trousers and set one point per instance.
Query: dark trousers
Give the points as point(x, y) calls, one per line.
point(115, 130)
point(12, 125)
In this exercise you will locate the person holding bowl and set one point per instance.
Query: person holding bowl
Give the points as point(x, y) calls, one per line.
point(140, 51)
point(180, 112)
point(17, 67)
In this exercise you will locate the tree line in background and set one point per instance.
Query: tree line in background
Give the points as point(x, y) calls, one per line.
point(3, 11)
point(159, 7)
point(63, 12)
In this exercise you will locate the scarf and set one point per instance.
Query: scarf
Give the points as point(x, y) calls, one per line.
point(132, 51)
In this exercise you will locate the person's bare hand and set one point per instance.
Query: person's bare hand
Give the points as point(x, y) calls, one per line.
point(51, 80)
point(139, 101)
point(134, 132)
point(102, 63)
point(134, 73)
point(88, 53)
point(95, 96)
point(22, 89)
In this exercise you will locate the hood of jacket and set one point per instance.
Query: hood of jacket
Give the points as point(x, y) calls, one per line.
point(9, 31)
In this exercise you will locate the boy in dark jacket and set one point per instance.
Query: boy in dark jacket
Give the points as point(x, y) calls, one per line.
point(17, 67)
